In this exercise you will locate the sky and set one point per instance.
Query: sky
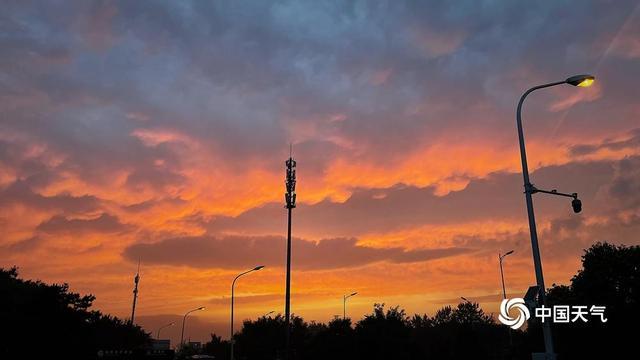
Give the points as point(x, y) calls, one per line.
point(157, 132)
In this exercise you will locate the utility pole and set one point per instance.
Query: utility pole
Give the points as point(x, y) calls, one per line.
point(290, 199)
point(136, 280)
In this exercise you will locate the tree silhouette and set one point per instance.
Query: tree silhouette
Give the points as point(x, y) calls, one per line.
point(383, 335)
point(336, 340)
point(264, 338)
point(40, 320)
point(217, 347)
point(460, 333)
point(610, 276)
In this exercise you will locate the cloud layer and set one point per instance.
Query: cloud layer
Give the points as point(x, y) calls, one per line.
point(243, 252)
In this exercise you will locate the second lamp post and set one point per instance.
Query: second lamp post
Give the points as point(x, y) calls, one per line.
point(233, 284)
point(184, 319)
point(501, 257)
point(344, 304)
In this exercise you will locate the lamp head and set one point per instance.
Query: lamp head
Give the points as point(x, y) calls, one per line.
point(201, 308)
point(355, 293)
point(585, 80)
point(509, 252)
point(258, 267)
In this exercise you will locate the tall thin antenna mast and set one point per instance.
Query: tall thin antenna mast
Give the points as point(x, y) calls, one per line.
point(136, 280)
point(290, 199)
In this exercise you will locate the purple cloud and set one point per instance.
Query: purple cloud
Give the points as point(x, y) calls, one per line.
point(246, 251)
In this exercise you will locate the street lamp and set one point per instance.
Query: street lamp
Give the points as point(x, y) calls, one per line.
point(269, 313)
point(344, 304)
point(529, 189)
point(581, 80)
point(504, 291)
point(233, 284)
point(500, 258)
point(162, 327)
point(185, 319)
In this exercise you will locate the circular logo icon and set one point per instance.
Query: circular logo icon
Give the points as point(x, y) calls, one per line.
point(513, 304)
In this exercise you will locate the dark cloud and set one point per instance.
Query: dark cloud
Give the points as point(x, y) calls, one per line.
point(149, 204)
point(246, 251)
point(625, 187)
point(156, 178)
point(568, 236)
point(248, 299)
point(23, 245)
point(19, 192)
point(565, 237)
point(632, 142)
point(498, 196)
point(104, 223)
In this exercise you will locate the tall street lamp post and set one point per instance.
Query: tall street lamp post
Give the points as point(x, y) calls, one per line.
point(233, 284)
point(344, 304)
point(184, 319)
point(529, 189)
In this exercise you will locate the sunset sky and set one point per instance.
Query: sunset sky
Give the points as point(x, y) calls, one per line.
point(157, 131)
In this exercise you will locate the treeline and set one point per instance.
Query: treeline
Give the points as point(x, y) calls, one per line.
point(44, 321)
point(610, 277)
point(461, 332)
point(38, 320)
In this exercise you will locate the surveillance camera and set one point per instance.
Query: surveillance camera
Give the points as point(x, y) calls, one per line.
point(576, 204)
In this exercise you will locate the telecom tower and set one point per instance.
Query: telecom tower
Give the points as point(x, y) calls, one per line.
point(290, 199)
point(136, 280)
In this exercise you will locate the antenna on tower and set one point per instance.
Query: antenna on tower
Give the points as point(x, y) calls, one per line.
point(290, 195)
point(136, 280)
